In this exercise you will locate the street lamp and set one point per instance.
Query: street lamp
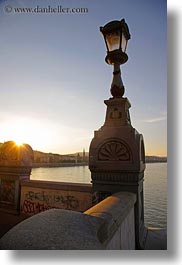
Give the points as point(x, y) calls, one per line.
point(116, 35)
point(116, 153)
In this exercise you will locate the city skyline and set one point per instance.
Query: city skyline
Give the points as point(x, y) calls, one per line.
point(55, 79)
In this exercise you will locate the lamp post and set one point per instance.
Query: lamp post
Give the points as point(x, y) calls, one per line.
point(117, 153)
point(116, 35)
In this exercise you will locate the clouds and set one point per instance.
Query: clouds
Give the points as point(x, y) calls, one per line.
point(53, 74)
point(154, 120)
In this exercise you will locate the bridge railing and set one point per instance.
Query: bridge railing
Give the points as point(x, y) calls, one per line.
point(107, 225)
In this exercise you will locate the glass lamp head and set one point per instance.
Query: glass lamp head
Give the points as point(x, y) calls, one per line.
point(116, 35)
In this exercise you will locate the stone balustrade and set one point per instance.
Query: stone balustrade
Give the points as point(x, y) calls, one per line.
point(38, 196)
point(15, 166)
point(107, 225)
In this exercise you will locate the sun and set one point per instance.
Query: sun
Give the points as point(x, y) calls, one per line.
point(25, 131)
point(18, 142)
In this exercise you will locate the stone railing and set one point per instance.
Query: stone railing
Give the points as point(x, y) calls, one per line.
point(117, 211)
point(15, 166)
point(38, 196)
point(108, 225)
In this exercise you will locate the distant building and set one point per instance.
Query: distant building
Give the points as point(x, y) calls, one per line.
point(83, 159)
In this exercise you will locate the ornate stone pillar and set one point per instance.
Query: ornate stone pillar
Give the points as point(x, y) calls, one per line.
point(15, 165)
point(117, 159)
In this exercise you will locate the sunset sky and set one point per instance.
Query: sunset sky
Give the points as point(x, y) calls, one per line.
point(54, 78)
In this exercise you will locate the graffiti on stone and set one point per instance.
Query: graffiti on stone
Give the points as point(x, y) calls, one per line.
point(30, 207)
point(35, 202)
point(7, 191)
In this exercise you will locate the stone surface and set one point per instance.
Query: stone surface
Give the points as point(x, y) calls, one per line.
point(156, 239)
point(8, 221)
point(124, 238)
point(117, 146)
point(54, 229)
point(117, 205)
point(105, 226)
point(38, 196)
point(13, 155)
point(15, 166)
point(114, 210)
point(117, 159)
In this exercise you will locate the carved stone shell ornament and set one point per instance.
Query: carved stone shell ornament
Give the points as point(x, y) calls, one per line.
point(114, 151)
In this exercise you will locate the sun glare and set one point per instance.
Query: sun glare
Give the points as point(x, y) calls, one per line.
point(18, 142)
point(27, 131)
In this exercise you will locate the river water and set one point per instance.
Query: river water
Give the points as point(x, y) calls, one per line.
point(155, 187)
